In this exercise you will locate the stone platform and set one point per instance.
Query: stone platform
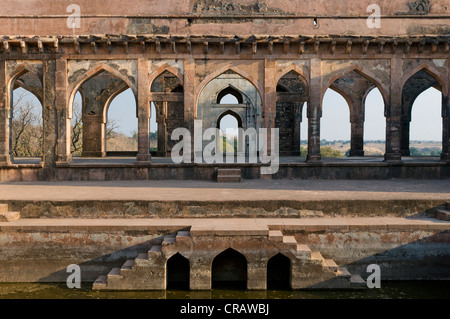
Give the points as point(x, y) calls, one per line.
point(103, 226)
point(161, 168)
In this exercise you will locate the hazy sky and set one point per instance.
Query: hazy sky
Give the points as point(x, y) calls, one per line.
point(335, 123)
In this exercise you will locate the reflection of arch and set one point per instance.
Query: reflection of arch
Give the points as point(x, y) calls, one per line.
point(232, 91)
point(229, 269)
point(221, 71)
point(177, 272)
point(93, 72)
point(233, 114)
point(278, 272)
point(365, 74)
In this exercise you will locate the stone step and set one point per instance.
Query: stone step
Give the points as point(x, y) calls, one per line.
point(330, 264)
point(183, 235)
point(303, 251)
point(4, 208)
point(128, 265)
point(155, 250)
point(229, 179)
point(276, 235)
point(317, 258)
point(228, 172)
point(290, 241)
point(9, 216)
point(443, 214)
point(115, 272)
point(100, 283)
point(357, 281)
point(343, 273)
point(168, 240)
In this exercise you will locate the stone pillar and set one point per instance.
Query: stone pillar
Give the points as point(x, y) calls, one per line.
point(5, 157)
point(445, 156)
point(189, 100)
point(50, 114)
point(143, 112)
point(314, 111)
point(162, 134)
point(394, 111)
point(257, 275)
point(269, 109)
point(93, 136)
point(297, 131)
point(357, 138)
point(405, 131)
point(63, 151)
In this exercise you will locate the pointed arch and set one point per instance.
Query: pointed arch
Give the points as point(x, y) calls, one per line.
point(221, 71)
point(93, 72)
point(15, 74)
point(232, 113)
point(433, 72)
point(229, 89)
point(362, 72)
point(297, 70)
point(229, 267)
point(166, 67)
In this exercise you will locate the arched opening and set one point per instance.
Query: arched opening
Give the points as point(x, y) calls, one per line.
point(421, 130)
point(121, 135)
point(229, 96)
point(374, 124)
point(292, 96)
point(26, 127)
point(177, 272)
point(229, 270)
point(168, 101)
point(335, 127)
point(426, 124)
point(279, 272)
point(108, 116)
point(153, 129)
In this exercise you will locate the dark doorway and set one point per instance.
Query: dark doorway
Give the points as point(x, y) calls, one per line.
point(278, 272)
point(177, 273)
point(229, 270)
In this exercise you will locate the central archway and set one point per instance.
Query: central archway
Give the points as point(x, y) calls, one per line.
point(229, 270)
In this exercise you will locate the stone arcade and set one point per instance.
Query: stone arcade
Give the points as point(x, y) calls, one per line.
point(277, 58)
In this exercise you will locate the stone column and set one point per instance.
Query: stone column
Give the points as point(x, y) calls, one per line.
point(143, 112)
point(297, 130)
point(93, 136)
point(5, 157)
point(63, 151)
point(394, 111)
point(50, 114)
point(269, 109)
point(162, 132)
point(405, 131)
point(314, 112)
point(445, 156)
point(189, 100)
point(357, 138)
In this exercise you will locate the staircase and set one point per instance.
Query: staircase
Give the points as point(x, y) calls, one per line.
point(339, 277)
point(6, 215)
point(227, 175)
point(310, 270)
point(444, 214)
